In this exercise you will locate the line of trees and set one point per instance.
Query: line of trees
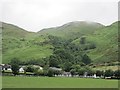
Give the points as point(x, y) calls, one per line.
point(73, 69)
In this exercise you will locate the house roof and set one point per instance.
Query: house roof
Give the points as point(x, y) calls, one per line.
point(5, 65)
point(54, 68)
point(66, 73)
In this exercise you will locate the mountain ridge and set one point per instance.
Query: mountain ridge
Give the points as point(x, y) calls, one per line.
point(73, 22)
point(30, 45)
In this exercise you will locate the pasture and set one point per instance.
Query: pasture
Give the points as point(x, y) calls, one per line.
point(56, 82)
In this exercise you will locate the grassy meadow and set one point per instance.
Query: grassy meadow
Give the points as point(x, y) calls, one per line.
point(56, 82)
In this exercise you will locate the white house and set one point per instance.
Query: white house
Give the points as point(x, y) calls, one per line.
point(9, 69)
point(38, 67)
point(85, 74)
point(6, 67)
point(41, 68)
point(66, 74)
point(94, 76)
point(21, 70)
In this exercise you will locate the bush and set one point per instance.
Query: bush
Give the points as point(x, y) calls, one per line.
point(50, 73)
point(15, 66)
point(30, 69)
point(85, 59)
point(90, 72)
point(73, 72)
point(38, 72)
point(117, 73)
point(83, 40)
point(15, 69)
point(81, 71)
point(109, 73)
point(57, 72)
point(99, 73)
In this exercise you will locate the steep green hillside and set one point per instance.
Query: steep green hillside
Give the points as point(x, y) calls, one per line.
point(73, 29)
point(99, 42)
point(106, 43)
point(13, 31)
point(18, 43)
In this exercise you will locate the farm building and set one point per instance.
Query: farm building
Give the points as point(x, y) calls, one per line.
point(6, 67)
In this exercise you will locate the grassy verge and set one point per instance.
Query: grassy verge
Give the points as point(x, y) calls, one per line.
point(56, 82)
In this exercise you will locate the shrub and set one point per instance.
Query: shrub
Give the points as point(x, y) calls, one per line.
point(109, 73)
point(50, 73)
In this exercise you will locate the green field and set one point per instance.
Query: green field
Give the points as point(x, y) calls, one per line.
point(56, 82)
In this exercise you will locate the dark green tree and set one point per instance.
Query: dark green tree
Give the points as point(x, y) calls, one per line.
point(30, 69)
point(90, 72)
point(85, 59)
point(73, 72)
point(15, 69)
point(45, 70)
point(76, 67)
point(81, 71)
point(15, 66)
point(117, 74)
point(67, 66)
point(109, 73)
point(54, 61)
point(99, 73)
point(83, 40)
point(50, 73)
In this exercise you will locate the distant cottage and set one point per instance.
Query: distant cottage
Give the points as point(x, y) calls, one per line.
point(56, 69)
point(21, 70)
point(6, 67)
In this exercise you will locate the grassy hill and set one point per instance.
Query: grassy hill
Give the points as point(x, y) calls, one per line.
point(18, 43)
point(72, 30)
point(26, 45)
point(106, 41)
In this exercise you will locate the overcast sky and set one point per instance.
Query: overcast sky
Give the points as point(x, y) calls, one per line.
point(34, 15)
